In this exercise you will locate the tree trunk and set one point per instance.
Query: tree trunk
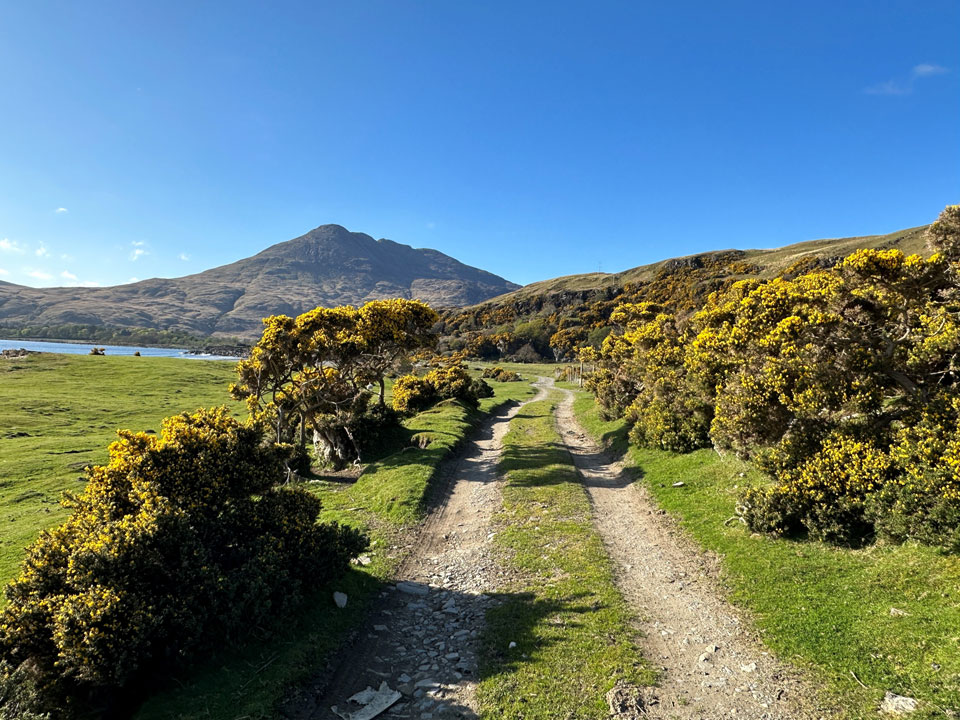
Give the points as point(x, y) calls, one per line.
point(331, 448)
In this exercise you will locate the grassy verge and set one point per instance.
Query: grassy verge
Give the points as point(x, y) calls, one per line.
point(571, 627)
point(385, 501)
point(61, 411)
point(887, 614)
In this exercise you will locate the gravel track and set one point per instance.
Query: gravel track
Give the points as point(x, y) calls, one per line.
point(712, 662)
point(422, 636)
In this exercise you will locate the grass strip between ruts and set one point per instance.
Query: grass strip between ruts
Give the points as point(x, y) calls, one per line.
point(573, 631)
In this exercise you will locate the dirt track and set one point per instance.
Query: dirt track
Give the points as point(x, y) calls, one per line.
point(422, 637)
point(712, 663)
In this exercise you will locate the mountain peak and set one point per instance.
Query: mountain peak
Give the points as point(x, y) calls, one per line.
point(327, 266)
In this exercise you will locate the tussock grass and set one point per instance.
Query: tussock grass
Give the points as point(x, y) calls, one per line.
point(573, 631)
point(823, 607)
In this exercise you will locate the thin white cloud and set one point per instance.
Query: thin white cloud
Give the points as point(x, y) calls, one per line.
point(10, 246)
point(61, 211)
point(42, 251)
point(926, 69)
point(67, 258)
point(905, 85)
point(890, 87)
point(73, 281)
point(184, 257)
point(139, 250)
point(4, 272)
point(132, 280)
point(40, 275)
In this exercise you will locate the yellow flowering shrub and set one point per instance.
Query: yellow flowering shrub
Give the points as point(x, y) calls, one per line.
point(411, 394)
point(838, 382)
point(640, 375)
point(179, 543)
point(922, 501)
point(320, 370)
point(825, 495)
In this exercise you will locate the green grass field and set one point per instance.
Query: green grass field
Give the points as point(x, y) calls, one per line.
point(60, 412)
point(573, 631)
point(890, 615)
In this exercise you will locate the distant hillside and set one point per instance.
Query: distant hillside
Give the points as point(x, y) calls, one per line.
point(770, 262)
point(551, 318)
point(328, 266)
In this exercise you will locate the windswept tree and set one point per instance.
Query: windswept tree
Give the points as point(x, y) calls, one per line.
point(317, 371)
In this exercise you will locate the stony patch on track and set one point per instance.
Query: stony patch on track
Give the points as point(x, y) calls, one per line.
point(712, 663)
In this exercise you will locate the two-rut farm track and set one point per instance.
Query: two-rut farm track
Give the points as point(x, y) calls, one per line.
point(422, 637)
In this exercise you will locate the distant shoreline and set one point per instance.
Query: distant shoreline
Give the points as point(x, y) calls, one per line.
point(80, 347)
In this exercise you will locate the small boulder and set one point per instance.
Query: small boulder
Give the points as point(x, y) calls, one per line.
point(340, 599)
point(894, 704)
point(412, 588)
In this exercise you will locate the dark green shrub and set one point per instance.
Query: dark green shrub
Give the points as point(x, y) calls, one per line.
point(180, 543)
point(825, 496)
point(480, 389)
point(500, 374)
point(922, 502)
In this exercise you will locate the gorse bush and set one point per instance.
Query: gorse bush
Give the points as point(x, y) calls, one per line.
point(319, 371)
point(842, 383)
point(180, 542)
point(412, 394)
point(500, 374)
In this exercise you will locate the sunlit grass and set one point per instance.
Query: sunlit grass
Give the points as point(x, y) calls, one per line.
point(59, 413)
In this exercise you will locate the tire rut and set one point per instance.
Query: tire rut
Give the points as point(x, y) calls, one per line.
point(421, 638)
point(712, 662)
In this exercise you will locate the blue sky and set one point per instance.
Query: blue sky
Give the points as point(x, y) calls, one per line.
point(533, 139)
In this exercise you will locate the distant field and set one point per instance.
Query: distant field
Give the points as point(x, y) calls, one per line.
point(61, 411)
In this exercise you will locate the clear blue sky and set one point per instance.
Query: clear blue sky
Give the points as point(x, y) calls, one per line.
point(533, 139)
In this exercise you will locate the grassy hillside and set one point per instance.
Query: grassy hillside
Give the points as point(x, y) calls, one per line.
point(61, 411)
point(769, 261)
point(553, 318)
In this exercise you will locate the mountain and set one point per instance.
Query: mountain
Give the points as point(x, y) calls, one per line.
point(328, 266)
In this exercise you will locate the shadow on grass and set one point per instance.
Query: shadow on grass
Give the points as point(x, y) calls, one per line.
point(252, 674)
point(515, 619)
